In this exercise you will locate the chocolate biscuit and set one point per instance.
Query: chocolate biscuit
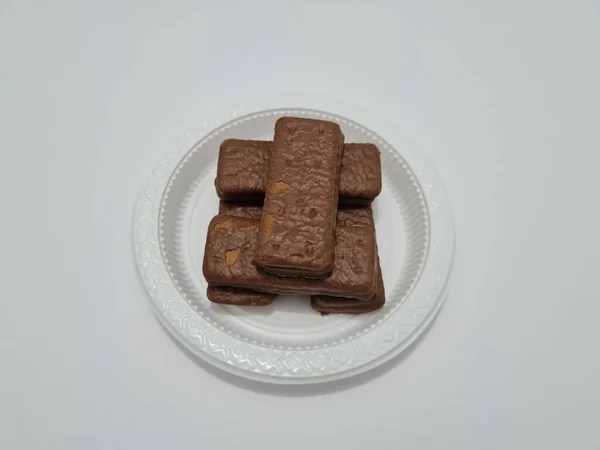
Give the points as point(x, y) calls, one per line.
point(360, 175)
point(232, 295)
point(239, 209)
point(353, 215)
point(238, 296)
point(244, 180)
point(346, 216)
point(241, 170)
point(326, 304)
point(297, 235)
point(229, 261)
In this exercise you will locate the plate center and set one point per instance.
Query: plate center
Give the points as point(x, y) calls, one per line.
point(191, 202)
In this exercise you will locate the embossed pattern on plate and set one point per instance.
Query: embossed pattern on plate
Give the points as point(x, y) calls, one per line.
point(288, 342)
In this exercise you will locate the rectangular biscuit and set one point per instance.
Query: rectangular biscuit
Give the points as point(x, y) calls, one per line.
point(352, 216)
point(346, 216)
point(242, 171)
point(229, 261)
point(297, 235)
point(326, 304)
point(360, 175)
point(232, 295)
point(237, 296)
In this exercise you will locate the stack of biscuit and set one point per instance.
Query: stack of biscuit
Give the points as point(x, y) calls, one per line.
point(295, 217)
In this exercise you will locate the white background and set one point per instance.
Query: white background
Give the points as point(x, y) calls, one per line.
point(503, 96)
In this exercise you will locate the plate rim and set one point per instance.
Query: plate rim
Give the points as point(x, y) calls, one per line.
point(155, 187)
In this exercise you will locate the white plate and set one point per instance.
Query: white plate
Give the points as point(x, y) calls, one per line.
point(289, 342)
